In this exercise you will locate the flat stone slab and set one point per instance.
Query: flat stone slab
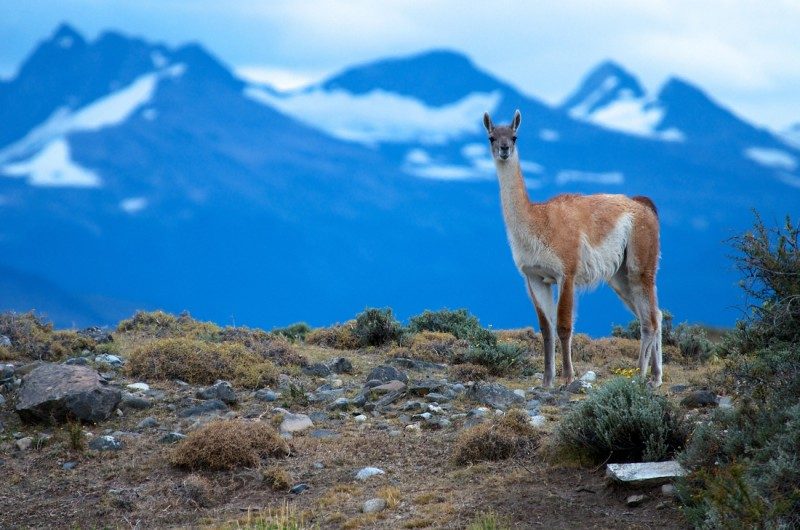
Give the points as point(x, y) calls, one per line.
point(645, 473)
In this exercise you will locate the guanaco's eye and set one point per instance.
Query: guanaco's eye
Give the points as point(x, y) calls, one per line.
point(514, 138)
point(492, 139)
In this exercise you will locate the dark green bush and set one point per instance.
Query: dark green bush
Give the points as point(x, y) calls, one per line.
point(693, 342)
point(458, 323)
point(294, 332)
point(499, 359)
point(745, 469)
point(376, 327)
point(634, 331)
point(622, 421)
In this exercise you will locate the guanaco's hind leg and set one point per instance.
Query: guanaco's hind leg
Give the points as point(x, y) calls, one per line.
point(566, 302)
point(542, 296)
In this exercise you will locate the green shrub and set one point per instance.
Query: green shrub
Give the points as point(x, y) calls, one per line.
point(294, 332)
point(376, 327)
point(458, 323)
point(693, 342)
point(500, 359)
point(622, 421)
point(744, 462)
point(634, 331)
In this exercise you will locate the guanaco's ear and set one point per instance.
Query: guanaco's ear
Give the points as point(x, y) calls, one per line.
point(516, 121)
point(487, 122)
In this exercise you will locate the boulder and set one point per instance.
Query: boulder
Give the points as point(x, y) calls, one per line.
point(59, 391)
point(645, 473)
point(340, 365)
point(221, 390)
point(295, 422)
point(700, 398)
point(494, 395)
point(386, 373)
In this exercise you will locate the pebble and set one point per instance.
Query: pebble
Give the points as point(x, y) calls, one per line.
point(589, 377)
point(143, 387)
point(147, 423)
point(299, 488)
point(23, 444)
point(221, 390)
point(538, 420)
point(107, 358)
point(266, 394)
point(519, 392)
point(172, 437)
point(635, 500)
point(578, 386)
point(341, 403)
point(5, 341)
point(69, 465)
point(295, 422)
point(105, 443)
point(373, 505)
point(2, 400)
point(360, 418)
point(668, 490)
point(367, 472)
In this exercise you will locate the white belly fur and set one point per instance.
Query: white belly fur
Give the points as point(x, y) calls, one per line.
point(597, 263)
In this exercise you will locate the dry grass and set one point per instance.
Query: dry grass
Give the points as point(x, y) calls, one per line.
point(33, 338)
point(497, 439)
point(228, 444)
point(340, 337)
point(532, 340)
point(198, 490)
point(437, 347)
point(391, 495)
point(199, 362)
point(277, 478)
point(468, 372)
point(276, 348)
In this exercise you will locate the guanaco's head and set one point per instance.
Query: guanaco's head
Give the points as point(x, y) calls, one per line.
point(502, 139)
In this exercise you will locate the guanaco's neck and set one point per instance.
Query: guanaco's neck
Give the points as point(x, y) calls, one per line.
point(513, 193)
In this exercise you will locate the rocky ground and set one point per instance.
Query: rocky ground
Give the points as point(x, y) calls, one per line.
point(85, 442)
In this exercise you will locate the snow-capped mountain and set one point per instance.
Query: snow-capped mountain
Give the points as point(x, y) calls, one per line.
point(133, 174)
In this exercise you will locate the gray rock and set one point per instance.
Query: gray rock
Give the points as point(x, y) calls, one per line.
point(317, 369)
point(318, 416)
point(423, 388)
point(373, 505)
point(324, 396)
point(77, 361)
point(5, 341)
point(221, 390)
point(107, 358)
point(132, 401)
point(635, 500)
point(359, 401)
point(323, 433)
point(645, 473)
point(265, 394)
point(589, 377)
point(388, 399)
point(725, 402)
point(295, 423)
point(437, 397)
point(386, 373)
point(367, 472)
point(23, 444)
point(69, 465)
point(458, 388)
point(2, 400)
point(172, 437)
point(436, 423)
point(538, 420)
point(391, 386)
point(414, 406)
point(299, 488)
point(578, 386)
point(700, 398)
point(98, 334)
point(340, 404)
point(58, 391)
point(212, 406)
point(147, 423)
point(360, 418)
point(494, 395)
point(340, 365)
point(668, 490)
point(417, 365)
point(105, 443)
point(138, 387)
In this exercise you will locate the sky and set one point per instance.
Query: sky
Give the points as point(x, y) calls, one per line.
point(744, 53)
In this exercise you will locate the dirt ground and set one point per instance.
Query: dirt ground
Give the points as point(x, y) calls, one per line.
point(137, 487)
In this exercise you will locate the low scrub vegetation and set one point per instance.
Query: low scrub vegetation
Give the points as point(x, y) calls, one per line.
point(340, 337)
point(497, 439)
point(294, 332)
point(745, 464)
point(32, 338)
point(376, 327)
point(622, 421)
point(228, 444)
point(201, 362)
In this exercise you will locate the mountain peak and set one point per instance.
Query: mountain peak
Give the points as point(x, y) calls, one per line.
point(66, 36)
point(605, 83)
point(437, 77)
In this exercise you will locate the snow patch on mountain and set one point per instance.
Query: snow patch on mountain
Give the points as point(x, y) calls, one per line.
point(571, 175)
point(380, 116)
point(133, 204)
point(53, 167)
point(772, 158)
point(638, 116)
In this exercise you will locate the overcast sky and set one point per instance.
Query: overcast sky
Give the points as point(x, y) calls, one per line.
point(745, 53)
